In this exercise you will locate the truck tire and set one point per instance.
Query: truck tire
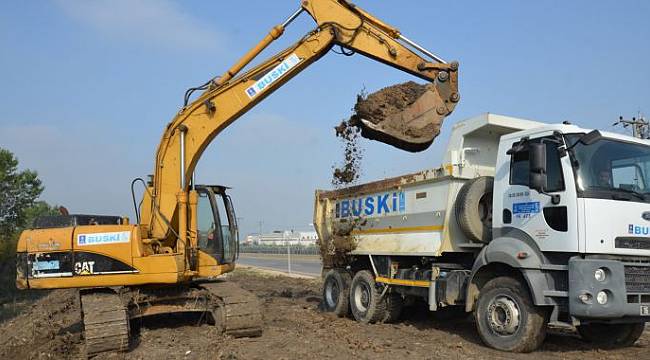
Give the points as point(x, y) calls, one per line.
point(474, 208)
point(365, 299)
point(394, 306)
point(336, 292)
point(506, 318)
point(611, 335)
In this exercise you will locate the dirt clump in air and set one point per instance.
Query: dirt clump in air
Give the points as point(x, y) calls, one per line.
point(350, 170)
point(379, 108)
point(398, 117)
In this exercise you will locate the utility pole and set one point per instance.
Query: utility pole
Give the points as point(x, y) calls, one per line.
point(259, 234)
point(640, 126)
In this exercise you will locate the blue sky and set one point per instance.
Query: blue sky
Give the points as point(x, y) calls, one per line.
point(87, 87)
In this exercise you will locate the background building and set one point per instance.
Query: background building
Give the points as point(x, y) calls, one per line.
point(282, 238)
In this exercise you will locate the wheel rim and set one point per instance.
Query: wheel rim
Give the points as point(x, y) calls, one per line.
point(503, 315)
point(485, 209)
point(362, 297)
point(332, 292)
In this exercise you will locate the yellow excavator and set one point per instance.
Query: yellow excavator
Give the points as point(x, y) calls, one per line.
point(186, 234)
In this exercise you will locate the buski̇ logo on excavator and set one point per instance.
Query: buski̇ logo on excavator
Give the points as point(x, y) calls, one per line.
point(372, 205)
point(273, 75)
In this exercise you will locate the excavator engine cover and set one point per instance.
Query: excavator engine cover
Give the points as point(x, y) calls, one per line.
point(407, 116)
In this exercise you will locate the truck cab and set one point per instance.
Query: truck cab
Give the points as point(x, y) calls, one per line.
point(580, 199)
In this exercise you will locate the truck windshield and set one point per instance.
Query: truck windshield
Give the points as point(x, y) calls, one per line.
point(611, 169)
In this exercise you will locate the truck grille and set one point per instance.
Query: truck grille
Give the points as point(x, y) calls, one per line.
point(637, 279)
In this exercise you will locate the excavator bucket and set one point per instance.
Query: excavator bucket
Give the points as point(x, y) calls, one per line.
point(407, 116)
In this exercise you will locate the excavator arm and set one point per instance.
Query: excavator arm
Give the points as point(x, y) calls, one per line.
point(164, 215)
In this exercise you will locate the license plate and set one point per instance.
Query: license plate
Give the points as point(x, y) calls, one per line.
point(645, 310)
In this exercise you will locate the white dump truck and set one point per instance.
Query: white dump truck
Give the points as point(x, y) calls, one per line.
point(525, 224)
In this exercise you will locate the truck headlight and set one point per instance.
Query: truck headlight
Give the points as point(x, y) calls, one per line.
point(585, 298)
point(601, 297)
point(600, 274)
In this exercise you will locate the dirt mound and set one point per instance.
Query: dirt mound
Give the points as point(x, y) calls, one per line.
point(391, 100)
point(384, 110)
point(407, 116)
point(48, 328)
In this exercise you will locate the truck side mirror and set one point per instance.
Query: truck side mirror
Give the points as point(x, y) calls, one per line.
point(537, 166)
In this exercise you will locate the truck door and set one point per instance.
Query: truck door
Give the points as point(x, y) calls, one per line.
point(549, 218)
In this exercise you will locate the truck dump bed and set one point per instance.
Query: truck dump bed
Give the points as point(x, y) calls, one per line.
point(412, 214)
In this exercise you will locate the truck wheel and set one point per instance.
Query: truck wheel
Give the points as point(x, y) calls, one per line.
point(474, 208)
point(506, 318)
point(394, 306)
point(611, 335)
point(365, 299)
point(336, 292)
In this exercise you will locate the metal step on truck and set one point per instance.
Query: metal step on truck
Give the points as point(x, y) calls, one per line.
point(525, 225)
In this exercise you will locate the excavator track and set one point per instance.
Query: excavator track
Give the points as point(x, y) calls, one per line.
point(106, 322)
point(237, 312)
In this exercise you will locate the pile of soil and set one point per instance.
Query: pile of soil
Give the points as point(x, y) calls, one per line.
point(294, 328)
point(391, 100)
point(378, 108)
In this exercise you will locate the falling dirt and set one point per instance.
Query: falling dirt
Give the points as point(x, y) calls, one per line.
point(294, 328)
point(350, 171)
point(381, 108)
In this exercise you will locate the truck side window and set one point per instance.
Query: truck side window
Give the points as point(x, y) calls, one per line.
point(519, 168)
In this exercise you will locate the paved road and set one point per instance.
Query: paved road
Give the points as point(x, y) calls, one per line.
point(300, 264)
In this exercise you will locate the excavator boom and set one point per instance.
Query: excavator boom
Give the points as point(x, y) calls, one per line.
point(229, 96)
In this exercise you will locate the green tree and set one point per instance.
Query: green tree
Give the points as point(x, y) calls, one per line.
point(19, 191)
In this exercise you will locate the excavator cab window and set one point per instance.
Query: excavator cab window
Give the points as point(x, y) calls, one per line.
point(217, 224)
point(228, 221)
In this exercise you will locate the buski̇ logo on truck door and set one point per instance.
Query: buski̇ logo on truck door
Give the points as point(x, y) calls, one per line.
point(378, 204)
point(525, 210)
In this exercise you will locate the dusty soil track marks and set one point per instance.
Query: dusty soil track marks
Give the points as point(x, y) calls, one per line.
point(294, 329)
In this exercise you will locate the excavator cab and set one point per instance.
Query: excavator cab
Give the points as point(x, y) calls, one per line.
point(218, 234)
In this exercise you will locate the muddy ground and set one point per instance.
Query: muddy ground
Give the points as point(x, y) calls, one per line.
point(294, 328)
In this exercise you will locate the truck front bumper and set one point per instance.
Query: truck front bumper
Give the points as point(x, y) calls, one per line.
point(622, 293)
